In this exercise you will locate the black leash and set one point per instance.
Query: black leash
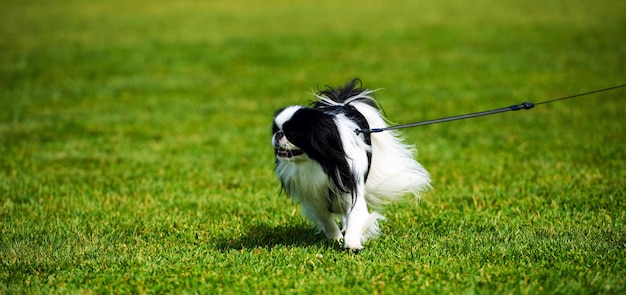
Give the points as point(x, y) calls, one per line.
point(517, 107)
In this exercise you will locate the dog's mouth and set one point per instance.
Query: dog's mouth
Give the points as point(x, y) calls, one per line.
point(286, 153)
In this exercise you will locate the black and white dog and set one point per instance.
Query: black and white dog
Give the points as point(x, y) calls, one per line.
point(338, 173)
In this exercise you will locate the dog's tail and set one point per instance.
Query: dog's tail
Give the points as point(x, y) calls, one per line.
point(394, 172)
point(350, 93)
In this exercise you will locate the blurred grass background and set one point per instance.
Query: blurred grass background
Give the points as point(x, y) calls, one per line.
point(135, 150)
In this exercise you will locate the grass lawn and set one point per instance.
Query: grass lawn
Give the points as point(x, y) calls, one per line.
point(135, 155)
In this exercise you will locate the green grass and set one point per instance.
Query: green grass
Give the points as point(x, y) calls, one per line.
point(135, 156)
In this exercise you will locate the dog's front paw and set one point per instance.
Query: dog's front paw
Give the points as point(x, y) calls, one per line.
point(353, 246)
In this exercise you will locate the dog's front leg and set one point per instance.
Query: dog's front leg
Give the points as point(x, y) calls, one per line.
point(356, 222)
point(324, 220)
point(329, 226)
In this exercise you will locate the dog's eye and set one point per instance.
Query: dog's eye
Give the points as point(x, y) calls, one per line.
point(274, 128)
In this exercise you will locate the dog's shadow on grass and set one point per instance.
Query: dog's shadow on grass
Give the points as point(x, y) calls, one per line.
point(268, 236)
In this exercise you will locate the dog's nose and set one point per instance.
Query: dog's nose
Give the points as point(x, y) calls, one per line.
point(279, 135)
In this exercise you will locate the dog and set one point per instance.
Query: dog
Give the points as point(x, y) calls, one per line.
point(336, 170)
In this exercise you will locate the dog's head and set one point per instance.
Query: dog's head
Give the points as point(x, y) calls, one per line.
point(300, 133)
point(284, 148)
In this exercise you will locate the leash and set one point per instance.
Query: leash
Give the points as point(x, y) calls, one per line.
point(517, 107)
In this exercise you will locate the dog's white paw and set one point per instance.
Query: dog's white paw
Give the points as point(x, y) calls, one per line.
point(353, 245)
